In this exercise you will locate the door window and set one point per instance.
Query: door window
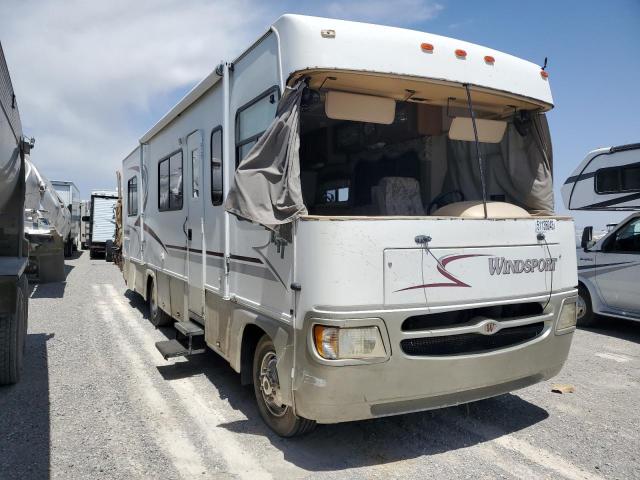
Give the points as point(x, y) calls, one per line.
point(216, 166)
point(627, 239)
point(195, 172)
point(132, 196)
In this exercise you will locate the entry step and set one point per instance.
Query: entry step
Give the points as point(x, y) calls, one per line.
point(189, 329)
point(174, 348)
point(171, 349)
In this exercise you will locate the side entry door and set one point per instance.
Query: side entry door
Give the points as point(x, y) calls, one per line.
point(194, 225)
point(618, 268)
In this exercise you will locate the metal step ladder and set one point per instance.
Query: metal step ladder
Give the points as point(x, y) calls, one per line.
point(189, 341)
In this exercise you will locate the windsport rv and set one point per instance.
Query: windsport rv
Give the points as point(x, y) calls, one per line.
point(608, 179)
point(359, 232)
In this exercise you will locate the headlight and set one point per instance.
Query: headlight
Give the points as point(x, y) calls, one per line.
point(333, 343)
point(567, 317)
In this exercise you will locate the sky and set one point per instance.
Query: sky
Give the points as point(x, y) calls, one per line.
point(91, 77)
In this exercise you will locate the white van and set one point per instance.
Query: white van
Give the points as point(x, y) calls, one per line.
point(609, 267)
point(360, 220)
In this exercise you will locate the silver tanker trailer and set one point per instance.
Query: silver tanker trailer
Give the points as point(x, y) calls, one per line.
point(13, 249)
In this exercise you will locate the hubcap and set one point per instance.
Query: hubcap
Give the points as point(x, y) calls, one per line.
point(581, 307)
point(270, 386)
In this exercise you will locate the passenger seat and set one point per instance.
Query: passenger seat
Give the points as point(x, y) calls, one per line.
point(398, 196)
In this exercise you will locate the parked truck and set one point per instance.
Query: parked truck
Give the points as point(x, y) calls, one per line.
point(360, 220)
point(102, 223)
point(70, 195)
point(14, 293)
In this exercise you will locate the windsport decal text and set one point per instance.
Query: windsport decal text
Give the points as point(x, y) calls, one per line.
point(502, 266)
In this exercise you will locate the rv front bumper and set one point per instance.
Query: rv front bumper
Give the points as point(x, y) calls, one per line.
point(354, 390)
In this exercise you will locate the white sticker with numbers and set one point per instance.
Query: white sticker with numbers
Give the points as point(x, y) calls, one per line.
point(545, 226)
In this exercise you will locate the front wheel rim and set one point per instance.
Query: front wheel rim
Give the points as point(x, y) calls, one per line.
point(269, 385)
point(581, 307)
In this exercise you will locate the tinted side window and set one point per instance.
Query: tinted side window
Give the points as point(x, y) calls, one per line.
point(132, 196)
point(608, 180)
point(170, 182)
point(631, 178)
point(216, 166)
point(618, 179)
point(253, 119)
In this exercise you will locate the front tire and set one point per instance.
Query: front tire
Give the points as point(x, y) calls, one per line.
point(585, 315)
point(158, 317)
point(279, 417)
point(13, 334)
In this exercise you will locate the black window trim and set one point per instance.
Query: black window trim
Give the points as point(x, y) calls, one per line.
point(213, 132)
point(129, 214)
point(618, 169)
point(239, 143)
point(167, 157)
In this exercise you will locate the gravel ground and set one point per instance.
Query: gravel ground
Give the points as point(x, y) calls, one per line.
point(98, 401)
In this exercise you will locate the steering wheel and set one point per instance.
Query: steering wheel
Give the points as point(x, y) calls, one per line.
point(445, 198)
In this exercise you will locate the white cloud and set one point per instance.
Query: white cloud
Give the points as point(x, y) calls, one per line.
point(88, 74)
point(388, 12)
point(93, 76)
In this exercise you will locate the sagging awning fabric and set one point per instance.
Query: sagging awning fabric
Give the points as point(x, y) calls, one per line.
point(267, 182)
point(520, 166)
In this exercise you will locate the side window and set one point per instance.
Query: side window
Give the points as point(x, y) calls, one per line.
point(618, 179)
point(216, 166)
point(627, 239)
point(607, 180)
point(132, 196)
point(631, 178)
point(253, 119)
point(170, 182)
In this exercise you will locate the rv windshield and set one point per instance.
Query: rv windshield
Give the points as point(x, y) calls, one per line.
point(424, 159)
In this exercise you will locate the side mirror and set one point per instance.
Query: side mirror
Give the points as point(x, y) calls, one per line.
point(587, 238)
point(86, 218)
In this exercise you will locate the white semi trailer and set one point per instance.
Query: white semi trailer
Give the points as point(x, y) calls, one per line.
point(102, 223)
point(14, 293)
point(360, 220)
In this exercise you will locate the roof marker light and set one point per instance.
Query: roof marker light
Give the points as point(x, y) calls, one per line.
point(544, 74)
point(461, 53)
point(489, 59)
point(426, 47)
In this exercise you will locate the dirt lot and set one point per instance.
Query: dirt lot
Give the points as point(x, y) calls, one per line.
point(98, 401)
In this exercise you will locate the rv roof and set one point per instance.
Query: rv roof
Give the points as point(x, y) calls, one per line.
point(314, 43)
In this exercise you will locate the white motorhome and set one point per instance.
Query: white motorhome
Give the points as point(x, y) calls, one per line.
point(360, 220)
point(608, 267)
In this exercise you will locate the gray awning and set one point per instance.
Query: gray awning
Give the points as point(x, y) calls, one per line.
point(267, 189)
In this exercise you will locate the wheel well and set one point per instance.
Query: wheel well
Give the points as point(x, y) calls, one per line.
point(147, 290)
point(584, 285)
point(250, 338)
